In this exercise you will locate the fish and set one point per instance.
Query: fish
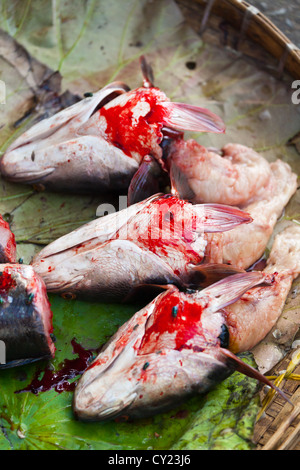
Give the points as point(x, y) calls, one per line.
point(25, 316)
point(8, 246)
point(156, 242)
point(236, 175)
point(263, 305)
point(241, 248)
point(98, 143)
point(170, 350)
point(184, 343)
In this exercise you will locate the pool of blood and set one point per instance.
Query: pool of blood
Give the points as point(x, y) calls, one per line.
point(59, 380)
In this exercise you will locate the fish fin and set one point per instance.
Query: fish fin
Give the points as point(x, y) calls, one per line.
point(192, 118)
point(145, 293)
point(250, 371)
point(206, 274)
point(148, 77)
point(145, 181)
point(179, 183)
point(219, 217)
point(229, 290)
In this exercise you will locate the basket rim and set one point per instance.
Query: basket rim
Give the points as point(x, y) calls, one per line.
point(252, 23)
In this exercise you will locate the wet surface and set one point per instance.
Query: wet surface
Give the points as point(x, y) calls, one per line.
point(284, 14)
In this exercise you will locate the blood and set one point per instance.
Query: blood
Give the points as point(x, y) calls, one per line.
point(59, 380)
point(6, 282)
point(169, 225)
point(10, 246)
point(129, 131)
point(169, 331)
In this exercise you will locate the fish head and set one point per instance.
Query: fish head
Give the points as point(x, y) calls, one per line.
point(167, 352)
point(174, 348)
point(142, 114)
point(19, 165)
point(53, 142)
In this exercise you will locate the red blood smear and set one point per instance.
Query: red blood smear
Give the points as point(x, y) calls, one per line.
point(6, 282)
point(169, 225)
point(10, 248)
point(59, 380)
point(173, 329)
point(131, 134)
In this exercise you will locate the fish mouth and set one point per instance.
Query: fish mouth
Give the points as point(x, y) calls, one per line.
point(10, 169)
point(11, 173)
point(99, 410)
point(99, 394)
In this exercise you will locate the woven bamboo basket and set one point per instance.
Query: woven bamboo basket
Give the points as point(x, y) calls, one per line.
point(238, 25)
point(243, 29)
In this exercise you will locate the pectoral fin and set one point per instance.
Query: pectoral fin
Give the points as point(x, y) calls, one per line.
point(179, 183)
point(204, 275)
point(229, 290)
point(219, 218)
point(145, 181)
point(192, 118)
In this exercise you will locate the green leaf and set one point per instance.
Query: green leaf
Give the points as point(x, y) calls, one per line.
point(226, 418)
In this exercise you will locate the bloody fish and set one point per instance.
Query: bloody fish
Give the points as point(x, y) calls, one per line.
point(25, 316)
point(173, 348)
point(7, 243)
point(159, 241)
point(99, 143)
point(184, 343)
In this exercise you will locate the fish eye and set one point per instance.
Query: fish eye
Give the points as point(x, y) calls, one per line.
point(68, 296)
point(224, 336)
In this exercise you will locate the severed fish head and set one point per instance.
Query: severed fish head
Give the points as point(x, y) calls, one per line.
point(99, 142)
point(51, 150)
point(25, 316)
point(152, 242)
point(168, 351)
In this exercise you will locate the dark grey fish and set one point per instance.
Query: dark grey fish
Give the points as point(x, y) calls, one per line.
point(25, 316)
